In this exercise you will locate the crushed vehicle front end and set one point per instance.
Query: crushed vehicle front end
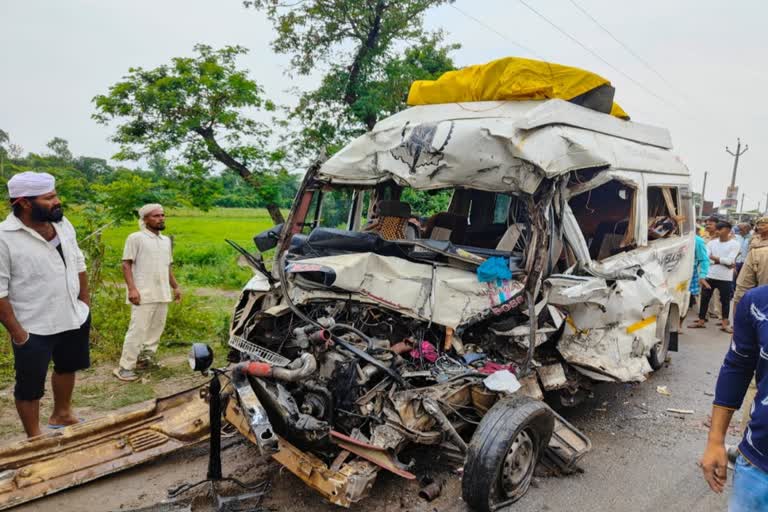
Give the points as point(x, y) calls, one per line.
point(442, 274)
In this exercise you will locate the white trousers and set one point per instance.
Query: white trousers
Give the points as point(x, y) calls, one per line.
point(144, 331)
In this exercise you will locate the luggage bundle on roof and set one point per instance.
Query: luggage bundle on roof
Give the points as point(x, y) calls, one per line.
point(517, 79)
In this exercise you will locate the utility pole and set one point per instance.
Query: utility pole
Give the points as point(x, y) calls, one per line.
point(741, 210)
point(736, 156)
point(703, 189)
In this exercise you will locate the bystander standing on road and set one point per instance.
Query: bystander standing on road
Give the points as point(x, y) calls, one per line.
point(148, 272)
point(744, 236)
point(44, 302)
point(722, 253)
point(710, 233)
point(743, 361)
point(754, 272)
point(700, 269)
point(710, 228)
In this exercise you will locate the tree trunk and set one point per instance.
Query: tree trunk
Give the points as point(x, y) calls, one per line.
point(275, 213)
point(371, 41)
point(225, 158)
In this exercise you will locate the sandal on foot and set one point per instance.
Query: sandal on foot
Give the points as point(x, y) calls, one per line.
point(53, 426)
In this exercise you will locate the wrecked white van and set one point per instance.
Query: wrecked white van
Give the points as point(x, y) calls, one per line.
point(560, 254)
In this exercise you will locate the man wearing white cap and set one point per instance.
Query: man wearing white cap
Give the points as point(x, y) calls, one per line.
point(44, 302)
point(147, 260)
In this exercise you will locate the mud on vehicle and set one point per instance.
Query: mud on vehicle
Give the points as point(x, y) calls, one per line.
point(561, 258)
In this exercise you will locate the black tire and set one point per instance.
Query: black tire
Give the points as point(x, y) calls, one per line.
point(492, 475)
point(660, 350)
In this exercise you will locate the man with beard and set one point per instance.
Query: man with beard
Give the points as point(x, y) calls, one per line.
point(147, 260)
point(44, 302)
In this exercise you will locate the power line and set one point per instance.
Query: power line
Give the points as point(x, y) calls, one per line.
point(598, 56)
point(501, 34)
point(625, 46)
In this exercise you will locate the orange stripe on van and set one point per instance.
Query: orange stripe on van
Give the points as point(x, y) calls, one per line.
point(645, 322)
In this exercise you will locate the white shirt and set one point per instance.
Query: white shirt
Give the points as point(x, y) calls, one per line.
point(152, 256)
point(727, 252)
point(41, 288)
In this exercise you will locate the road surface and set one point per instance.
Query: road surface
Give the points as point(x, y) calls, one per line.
point(643, 459)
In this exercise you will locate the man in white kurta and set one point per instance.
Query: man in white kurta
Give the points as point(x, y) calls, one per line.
point(147, 260)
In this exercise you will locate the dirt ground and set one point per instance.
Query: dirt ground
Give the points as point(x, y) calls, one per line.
point(643, 458)
point(97, 391)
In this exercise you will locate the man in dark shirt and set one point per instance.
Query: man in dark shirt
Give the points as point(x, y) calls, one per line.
point(746, 357)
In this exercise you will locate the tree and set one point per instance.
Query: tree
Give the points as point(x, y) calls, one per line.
point(123, 196)
point(357, 42)
point(194, 107)
point(60, 149)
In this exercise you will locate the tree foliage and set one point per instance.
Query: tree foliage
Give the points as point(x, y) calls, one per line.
point(60, 149)
point(92, 182)
point(370, 52)
point(195, 107)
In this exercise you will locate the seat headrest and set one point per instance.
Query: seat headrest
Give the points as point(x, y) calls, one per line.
point(394, 209)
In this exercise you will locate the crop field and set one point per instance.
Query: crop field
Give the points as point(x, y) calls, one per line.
point(201, 256)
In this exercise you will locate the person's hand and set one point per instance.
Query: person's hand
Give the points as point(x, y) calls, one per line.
point(177, 295)
point(134, 297)
point(704, 283)
point(20, 337)
point(714, 464)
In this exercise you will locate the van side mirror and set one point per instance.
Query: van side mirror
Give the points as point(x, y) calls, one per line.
point(267, 240)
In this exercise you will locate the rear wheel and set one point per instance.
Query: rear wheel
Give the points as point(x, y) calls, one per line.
point(504, 451)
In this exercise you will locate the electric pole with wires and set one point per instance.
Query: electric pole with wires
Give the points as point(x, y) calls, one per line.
point(731, 200)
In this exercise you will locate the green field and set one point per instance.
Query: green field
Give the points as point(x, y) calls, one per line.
point(201, 256)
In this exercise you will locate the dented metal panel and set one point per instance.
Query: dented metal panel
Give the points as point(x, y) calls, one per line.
point(444, 295)
point(72, 456)
point(438, 146)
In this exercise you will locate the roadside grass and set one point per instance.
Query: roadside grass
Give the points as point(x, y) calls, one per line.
point(197, 318)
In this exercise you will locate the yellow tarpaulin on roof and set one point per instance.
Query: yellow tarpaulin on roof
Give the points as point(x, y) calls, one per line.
point(509, 79)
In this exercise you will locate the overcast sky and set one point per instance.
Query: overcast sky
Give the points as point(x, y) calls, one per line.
point(56, 55)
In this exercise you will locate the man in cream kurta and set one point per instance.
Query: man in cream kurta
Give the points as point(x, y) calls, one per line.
point(147, 260)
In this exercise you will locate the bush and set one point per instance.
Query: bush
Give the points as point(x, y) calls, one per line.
point(195, 319)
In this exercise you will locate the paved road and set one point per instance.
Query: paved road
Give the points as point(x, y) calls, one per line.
point(644, 459)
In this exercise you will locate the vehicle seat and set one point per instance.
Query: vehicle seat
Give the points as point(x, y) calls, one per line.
point(392, 220)
point(446, 226)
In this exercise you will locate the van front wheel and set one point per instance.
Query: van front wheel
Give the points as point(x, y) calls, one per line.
point(660, 350)
point(504, 451)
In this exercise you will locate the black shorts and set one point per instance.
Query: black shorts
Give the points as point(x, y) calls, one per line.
point(69, 350)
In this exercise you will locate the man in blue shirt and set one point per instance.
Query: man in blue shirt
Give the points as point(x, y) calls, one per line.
point(700, 269)
point(746, 357)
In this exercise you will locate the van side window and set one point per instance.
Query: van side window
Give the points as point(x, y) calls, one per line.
point(686, 209)
point(607, 216)
point(664, 214)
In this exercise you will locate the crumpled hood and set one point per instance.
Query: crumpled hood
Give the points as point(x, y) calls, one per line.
point(441, 294)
